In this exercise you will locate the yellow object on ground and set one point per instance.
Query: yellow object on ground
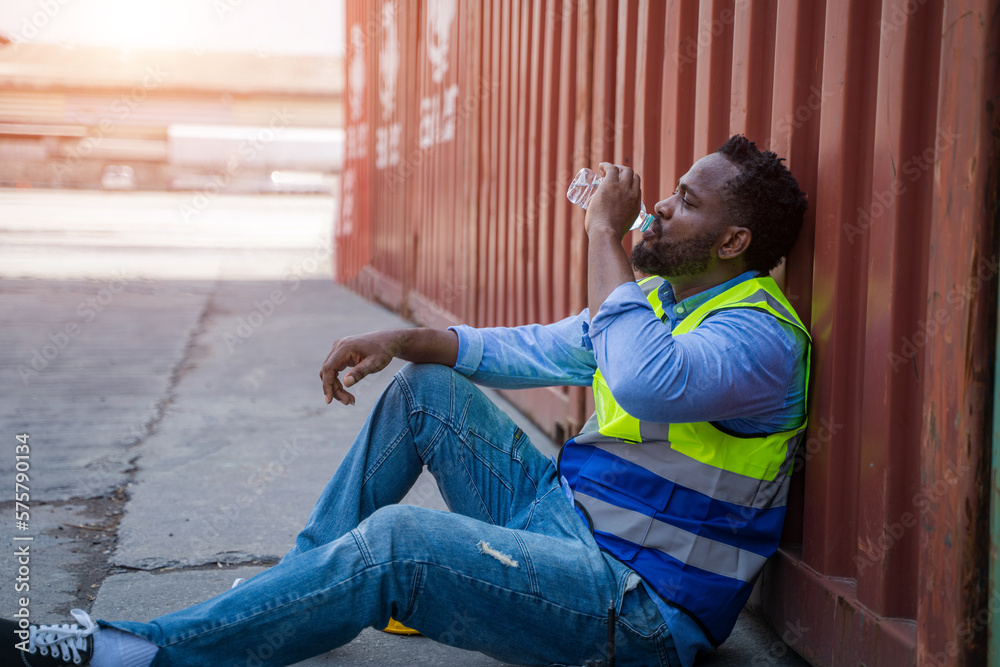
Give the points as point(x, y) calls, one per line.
point(397, 628)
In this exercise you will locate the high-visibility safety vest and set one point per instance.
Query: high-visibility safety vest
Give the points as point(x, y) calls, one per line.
point(694, 509)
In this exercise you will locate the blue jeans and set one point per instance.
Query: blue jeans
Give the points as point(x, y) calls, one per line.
point(512, 571)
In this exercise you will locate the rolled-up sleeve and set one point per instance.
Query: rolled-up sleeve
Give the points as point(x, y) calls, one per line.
point(528, 356)
point(738, 362)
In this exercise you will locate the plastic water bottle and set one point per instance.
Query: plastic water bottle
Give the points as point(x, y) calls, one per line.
point(582, 190)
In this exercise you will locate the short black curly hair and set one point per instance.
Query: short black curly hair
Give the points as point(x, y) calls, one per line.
point(765, 198)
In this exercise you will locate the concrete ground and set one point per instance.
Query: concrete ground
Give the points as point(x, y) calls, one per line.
point(164, 365)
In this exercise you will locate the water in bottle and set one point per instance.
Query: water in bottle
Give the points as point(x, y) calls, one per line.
point(582, 190)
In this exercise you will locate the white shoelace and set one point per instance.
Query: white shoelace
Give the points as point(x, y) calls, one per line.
point(64, 641)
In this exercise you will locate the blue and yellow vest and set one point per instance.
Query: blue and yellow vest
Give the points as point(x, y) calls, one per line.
point(693, 509)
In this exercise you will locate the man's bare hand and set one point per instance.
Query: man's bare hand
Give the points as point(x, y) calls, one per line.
point(615, 205)
point(364, 355)
point(369, 353)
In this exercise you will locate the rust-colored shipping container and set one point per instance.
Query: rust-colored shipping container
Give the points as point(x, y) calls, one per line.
point(466, 120)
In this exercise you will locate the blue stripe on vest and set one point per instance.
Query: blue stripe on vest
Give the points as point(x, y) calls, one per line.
point(672, 575)
point(755, 530)
point(718, 600)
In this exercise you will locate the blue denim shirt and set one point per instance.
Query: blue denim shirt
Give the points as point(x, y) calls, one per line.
point(741, 367)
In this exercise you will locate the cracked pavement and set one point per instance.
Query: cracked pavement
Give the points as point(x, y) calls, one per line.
point(166, 373)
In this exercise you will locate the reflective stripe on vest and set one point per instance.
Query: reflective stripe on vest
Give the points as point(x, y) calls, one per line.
point(709, 555)
point(694, 510)
point(717, 482)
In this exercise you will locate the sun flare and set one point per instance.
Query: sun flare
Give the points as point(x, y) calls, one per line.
point(137, 24)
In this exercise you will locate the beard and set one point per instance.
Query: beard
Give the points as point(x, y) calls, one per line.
point(671, 259)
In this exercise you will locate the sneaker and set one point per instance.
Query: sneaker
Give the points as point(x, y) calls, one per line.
point(48, 645)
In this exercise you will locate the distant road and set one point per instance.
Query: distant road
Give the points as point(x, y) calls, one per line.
point(75, 234)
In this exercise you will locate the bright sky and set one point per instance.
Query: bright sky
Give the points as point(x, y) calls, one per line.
point(314, 27)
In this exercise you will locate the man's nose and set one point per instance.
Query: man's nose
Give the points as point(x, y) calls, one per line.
point(664, 208)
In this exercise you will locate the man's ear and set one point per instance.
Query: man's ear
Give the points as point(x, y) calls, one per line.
point(735, 240)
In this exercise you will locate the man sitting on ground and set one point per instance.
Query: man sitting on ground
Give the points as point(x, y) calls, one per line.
point(664, 508)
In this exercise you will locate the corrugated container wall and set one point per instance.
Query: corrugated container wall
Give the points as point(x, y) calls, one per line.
point(466, 120)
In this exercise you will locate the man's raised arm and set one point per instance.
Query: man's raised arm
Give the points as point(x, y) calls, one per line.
point(611, 212)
